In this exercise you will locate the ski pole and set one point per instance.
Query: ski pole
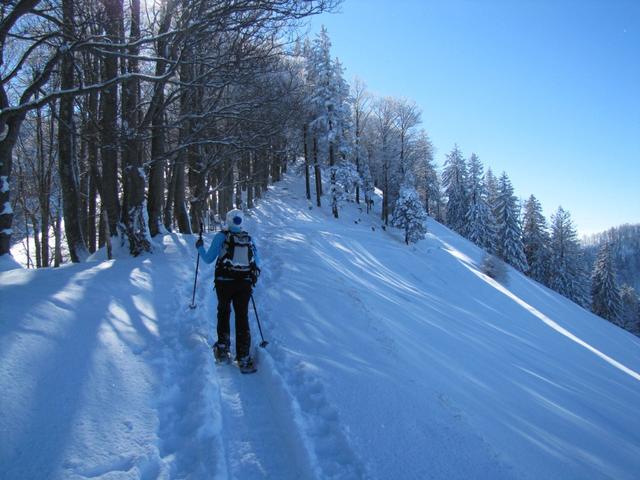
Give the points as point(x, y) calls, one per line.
point(193, 299)
point(264, 343)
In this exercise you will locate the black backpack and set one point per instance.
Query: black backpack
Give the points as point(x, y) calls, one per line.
point(235, 261)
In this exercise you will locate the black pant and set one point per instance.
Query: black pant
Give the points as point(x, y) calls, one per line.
point(237, 292)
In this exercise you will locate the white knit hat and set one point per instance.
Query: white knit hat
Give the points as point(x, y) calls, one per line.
point(235, 220)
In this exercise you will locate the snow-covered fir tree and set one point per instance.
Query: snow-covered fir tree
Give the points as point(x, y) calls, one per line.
point(481, 224)
point(491, 185)
point(454, 182)
point(346, 181)
point(567, 274)
point(509, 231)
point(630, 309)
point(605, 294)
point(625, 252)
point(535, 239)
point(409, 214)
point(332, 115)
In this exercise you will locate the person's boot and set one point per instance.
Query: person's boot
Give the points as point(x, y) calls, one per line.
point(246, 364)
point(221, 353)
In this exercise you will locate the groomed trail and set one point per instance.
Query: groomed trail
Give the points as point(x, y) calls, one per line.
point(384, 361)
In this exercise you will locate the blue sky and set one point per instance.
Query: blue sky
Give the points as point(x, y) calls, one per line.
point(548, 91)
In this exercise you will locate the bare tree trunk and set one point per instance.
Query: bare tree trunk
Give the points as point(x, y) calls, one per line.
point(197, 186)
point(85, 178)
point(179, 197)
point(184, 136)
point(156, 172)
point(307, 182)
point(155, 196)
point(385, 185)
point(171, 191)
point(256, 179)
point(57, 255)
point(67, 160)
point(6, 163)
point(426, 201)
point(228, 186)
point(92, 209)
point(264, 172)
point(93, 174)
point(37, 242)
point(213, 186)
point(332, 162)
point(237, 182)
point(133, 174)
point(249, 180)
point(44, 188)
point(316, 171)
point(109, 127)
point(107, 235)
point(9, 131)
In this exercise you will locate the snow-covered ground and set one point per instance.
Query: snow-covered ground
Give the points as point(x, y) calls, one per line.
point(384, 361)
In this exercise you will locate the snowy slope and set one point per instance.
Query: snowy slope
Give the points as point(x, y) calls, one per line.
point(385, 361)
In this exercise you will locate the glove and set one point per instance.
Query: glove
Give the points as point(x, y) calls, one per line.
point(199, 243)
point(255, 274)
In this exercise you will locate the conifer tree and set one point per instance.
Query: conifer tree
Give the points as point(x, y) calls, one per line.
point(535, 239)
point(509, 232)
point(409, 214)
point(331, 107)
point(481, 224)
point(491, 185)
point(605, 294)
point(566, 274)
point(454, 181)
point(630, 309)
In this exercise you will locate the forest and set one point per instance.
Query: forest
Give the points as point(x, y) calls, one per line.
point(120, 121)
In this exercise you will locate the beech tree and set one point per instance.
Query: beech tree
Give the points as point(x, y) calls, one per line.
point(361, 109)
point(426, 174)
point(145, 91)
point(384, 119)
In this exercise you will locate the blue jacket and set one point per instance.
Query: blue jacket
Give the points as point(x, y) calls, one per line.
point(211, 255)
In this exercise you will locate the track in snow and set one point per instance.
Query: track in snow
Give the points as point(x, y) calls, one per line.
point(260, 438)
point(276, 423)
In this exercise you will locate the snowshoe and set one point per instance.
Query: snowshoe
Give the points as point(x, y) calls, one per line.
point(221, 353)
point(246, 365)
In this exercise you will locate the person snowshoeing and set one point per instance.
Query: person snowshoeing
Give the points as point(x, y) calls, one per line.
point(236, 274)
